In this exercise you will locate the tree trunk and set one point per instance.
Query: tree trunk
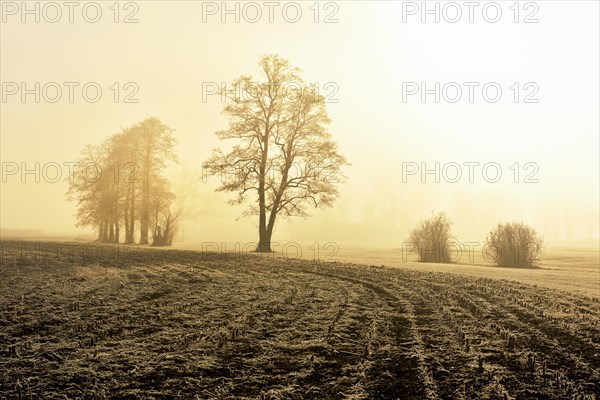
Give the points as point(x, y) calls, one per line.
point(126, 219)
point(144, 219)
point(156, 227)
point(111, 226)
point(131, 233)
point(115, 215)
point(104, 230)
point(264, 242)
point(117, 232)
point(111, 232)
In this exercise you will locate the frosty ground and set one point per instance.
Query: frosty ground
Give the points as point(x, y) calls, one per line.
point(165, 324)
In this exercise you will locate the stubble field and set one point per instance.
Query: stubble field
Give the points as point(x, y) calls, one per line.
point(166, 324)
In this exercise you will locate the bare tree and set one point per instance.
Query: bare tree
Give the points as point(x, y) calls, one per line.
point(284, 154)
point(167, 228)
point(126, 154)
point(156, 150)
point(161, 199)
point(513, 244)
point(86, 190)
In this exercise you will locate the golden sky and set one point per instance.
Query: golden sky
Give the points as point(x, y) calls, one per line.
point(368, 56)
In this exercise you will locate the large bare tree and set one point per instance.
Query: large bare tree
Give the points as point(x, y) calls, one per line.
point(284, 159)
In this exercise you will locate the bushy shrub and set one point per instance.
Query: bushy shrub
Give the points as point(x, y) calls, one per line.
point(513, 244)
point(431, 239)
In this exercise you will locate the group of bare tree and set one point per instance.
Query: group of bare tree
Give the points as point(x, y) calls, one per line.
point(119, 185)
point(279, 125)
point(279, 128)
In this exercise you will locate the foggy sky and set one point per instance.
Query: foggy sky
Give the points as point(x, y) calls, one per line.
point(368, 55)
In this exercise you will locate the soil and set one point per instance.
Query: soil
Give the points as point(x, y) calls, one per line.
point(170, 324)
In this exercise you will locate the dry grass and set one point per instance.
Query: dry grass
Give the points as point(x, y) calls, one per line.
point(565, 269)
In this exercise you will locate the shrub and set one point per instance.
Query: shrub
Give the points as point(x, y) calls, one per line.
point(431, 238)
point(513, 244)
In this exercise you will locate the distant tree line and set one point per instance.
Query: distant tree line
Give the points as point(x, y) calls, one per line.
point(120, 188)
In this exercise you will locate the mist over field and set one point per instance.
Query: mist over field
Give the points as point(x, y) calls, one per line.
point(360, 65)
point(300, 200)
